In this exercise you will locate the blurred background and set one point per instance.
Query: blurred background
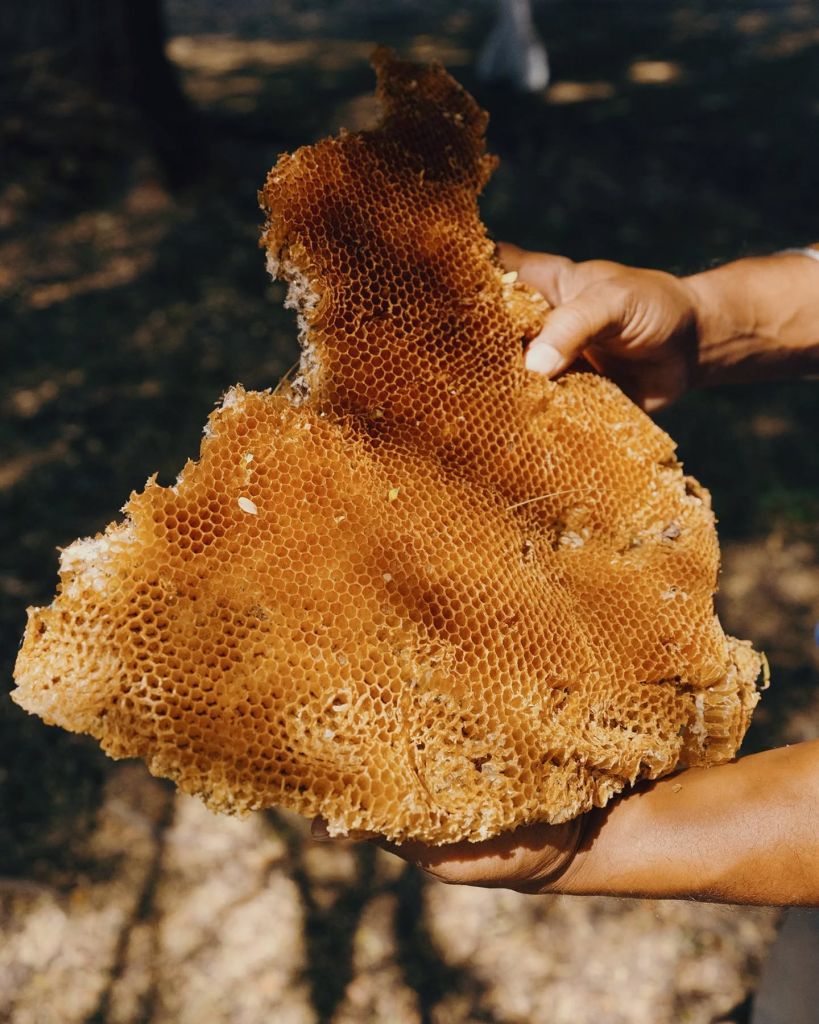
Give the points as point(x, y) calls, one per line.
point(133, 139)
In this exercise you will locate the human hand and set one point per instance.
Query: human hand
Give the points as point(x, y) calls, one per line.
point(636, 326)
point(742, 832)
point(531, 859)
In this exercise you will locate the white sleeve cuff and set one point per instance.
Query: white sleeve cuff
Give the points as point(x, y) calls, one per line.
point(808, 251)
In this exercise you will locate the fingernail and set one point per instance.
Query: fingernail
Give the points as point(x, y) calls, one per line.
point(543, 359)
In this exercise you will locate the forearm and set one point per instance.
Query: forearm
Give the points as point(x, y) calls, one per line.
point(745, 832)
point(757, 318)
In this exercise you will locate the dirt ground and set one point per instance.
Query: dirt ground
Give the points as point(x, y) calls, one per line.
point(674, 135)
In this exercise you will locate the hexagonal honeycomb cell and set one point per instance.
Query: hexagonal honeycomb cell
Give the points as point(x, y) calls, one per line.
point(418, 590)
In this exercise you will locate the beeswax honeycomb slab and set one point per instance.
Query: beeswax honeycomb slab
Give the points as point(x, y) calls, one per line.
point(418, 590)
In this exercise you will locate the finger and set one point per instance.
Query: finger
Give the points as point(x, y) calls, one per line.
point(513, 859)
point(511, 256)
point(540, 270)
point(596, 313)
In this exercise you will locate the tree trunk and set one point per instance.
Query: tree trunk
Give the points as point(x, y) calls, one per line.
point(116, 49)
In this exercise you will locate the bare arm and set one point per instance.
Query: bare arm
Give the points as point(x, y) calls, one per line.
point(658, 335)
point(757, 319)
point(744, 832)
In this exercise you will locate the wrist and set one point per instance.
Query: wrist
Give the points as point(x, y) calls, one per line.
point(742, 832)
point(726, 322)
point(756, 319)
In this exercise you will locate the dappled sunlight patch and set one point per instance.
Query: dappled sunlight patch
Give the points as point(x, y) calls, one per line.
point(765, 425)
point(753, 23)
point(236, 75)
point(120, 270)
point(771, 588)
point(565, 92)
point(429, 47)
point(516, 947)
point(15, 469)
point(27, 402)
point(239, 93)
point(226, 55)
point(654, 72)
point(95, 250)
point(12, 201)
point(788, 43)
point(379, 990)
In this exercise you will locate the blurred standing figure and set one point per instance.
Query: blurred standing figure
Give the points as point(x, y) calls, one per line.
point(514, 51)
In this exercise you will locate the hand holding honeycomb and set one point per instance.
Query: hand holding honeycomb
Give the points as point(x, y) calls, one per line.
point(418, 591)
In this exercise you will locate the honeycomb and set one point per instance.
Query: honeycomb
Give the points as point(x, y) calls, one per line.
point(418, 590)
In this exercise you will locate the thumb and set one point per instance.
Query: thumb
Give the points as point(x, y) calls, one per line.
point(574, 325)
